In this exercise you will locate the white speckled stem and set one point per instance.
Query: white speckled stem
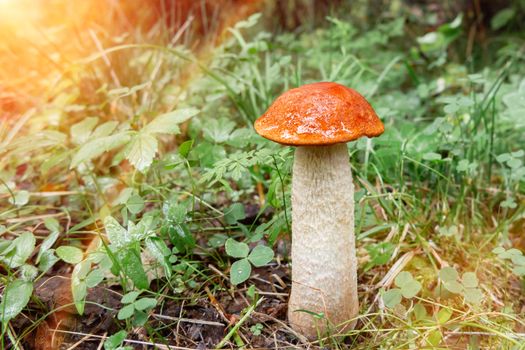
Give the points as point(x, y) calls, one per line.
point(324, 265)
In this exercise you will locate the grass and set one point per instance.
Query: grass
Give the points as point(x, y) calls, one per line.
point(160, 139)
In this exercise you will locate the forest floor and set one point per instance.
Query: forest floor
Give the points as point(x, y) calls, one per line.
point(132, 182)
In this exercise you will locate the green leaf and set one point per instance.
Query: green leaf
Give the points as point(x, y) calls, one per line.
point(28, 272)
point(380, 253)
point(15, 297)
point(260, 255)
point(52, 224)
point(256, 329)
point(47, 260)
point(470, 280)
point(502, 158)
point(208, 155)
point(448, 274)
point(463, 165)
point(515, 163)
point(6, 246)
point(392, 297)
point(249, 22)
point(81, 131)
point(410, 289)
point(78, 285)
point(518, 259)
point(498, 250)
point(432, 156)
point(142, 229)
point(520, 153)
point(502, 18)
point(236, 249)
point(145, 303)
point(168, 123)
point(25, 244)
point(123, 196)
point(142, 149)
point(115, 340)
point(69, 254)
point(473, 295)
point(453, 286)
point(96, 147)
point(443, 315)
point(140, 318)
point(240, 138)
point(20, 199)
point(218, 130)
point(130, 297)
point(403, 278)
point(181, 237)
point(59, 158)
point(157, 248)
point(420, 312)
point(175, 212)
point(104, 129)
point(509, 254)
point(105, 261)
point(94, 278)
point(160, 251)
point(135, 204)
point(250, 292)
point(477, 78)
point(47, 244)
point(185, 148)
point(126, 312)
point(240, 271)
point(509, 203)
point(19, 250)
point(117, 234)
point(129, 260)
point(234, 213)
point(434, 338)
point(217, 240)
point(519, 270)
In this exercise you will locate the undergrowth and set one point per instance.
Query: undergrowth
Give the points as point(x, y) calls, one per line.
point(155, 187)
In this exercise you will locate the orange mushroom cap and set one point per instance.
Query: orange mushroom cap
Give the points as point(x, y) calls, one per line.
point(319, 114)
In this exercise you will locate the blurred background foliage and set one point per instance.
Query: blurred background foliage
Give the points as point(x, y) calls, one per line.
point(143, 112)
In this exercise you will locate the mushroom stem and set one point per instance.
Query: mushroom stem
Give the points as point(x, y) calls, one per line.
point(324, 271)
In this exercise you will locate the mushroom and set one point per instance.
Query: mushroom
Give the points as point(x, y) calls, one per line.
point(319, 119)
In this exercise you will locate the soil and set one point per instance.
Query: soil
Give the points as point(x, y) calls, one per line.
point(200, 321)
